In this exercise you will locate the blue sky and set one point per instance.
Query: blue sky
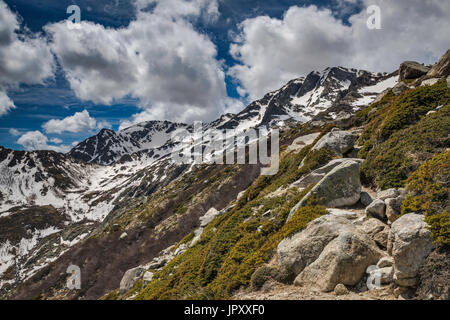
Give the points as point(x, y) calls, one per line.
point(247, 26)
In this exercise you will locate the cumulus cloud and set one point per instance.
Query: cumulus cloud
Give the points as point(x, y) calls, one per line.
point(35, 140)
point(24, 57)
point(79, 122)
point(6, 104)
point(273, 51)
point(14, 132)
point(158, 58)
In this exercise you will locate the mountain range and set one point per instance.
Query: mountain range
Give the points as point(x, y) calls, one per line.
point(117, 200)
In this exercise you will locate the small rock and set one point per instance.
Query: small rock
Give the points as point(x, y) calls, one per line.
point(377, 209)
point(385, 262)
point(123, 236)
point(366, 199)
point(393, 208)
point(340, 290)
point(386, 194)
point(400, 88)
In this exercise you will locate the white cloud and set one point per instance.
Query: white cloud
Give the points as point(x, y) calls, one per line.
point(79, 122)
point(273, 51)
point(24, 57)
point(35, 140)
point(56, 141)
point(14, 132)
point(6, 104)
point(159, 58)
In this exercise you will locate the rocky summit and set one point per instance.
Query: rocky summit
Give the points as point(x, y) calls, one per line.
point(359, 208)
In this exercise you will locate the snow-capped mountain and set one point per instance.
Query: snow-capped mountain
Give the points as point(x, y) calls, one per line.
point(303, 99)
point(109, 146)
point(300, 100)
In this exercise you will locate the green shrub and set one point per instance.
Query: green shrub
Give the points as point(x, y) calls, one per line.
point(428, 194)
point(406, 137)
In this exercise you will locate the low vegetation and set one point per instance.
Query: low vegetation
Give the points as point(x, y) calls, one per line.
point(428, 193)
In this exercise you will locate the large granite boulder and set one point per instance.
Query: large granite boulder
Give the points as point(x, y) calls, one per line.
point(320, 173)
point(337, 140)
point(333, 249)
point(409, 244)
point(339, 188)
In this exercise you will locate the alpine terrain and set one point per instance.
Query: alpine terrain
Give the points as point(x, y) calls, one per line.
point(359, 208)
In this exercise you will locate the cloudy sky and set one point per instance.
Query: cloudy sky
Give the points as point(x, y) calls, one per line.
point(129, 61)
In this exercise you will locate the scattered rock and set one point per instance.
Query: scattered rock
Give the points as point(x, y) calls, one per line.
point(339, 141)
point(430, 82)
point(448, 81)
point(366, 199)
point(400, 88)
point(123, 236)
point(409, 244)
point(386, 194)
point(393, 208)
point(130, 278)
point(377, 209)
point(341, 290)
point(208, 217)
point(412, 70)
point(376, 230)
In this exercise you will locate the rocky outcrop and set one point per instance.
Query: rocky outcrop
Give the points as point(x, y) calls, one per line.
point(409, 244)
point(340, 187)
point(337, 140)
point(332, 250)
point(130, 278)
point(412, 70)
point(442, 68)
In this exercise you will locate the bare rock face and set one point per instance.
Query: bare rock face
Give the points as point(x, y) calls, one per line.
point(332, 250)
point(412, 70)
point(409, 244)
point(442, 68)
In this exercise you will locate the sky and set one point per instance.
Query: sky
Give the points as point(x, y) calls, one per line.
point(128, 61)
